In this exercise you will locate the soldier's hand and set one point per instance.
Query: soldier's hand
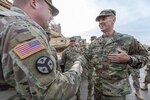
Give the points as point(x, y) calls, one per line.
point(77, 66)
point(119, 57)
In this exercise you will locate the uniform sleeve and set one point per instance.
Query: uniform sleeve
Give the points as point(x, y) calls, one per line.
point(88, 53)
point(63, 57)
point(35, 67)
point(138, 55)
point(54, 52)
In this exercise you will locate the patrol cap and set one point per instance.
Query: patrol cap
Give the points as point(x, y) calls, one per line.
point(55, 11)
point(93, 37)
point(106, 12)
point(72, 39)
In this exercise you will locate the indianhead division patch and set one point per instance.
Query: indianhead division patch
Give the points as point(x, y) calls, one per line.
point(44, 65)
point(29, 48)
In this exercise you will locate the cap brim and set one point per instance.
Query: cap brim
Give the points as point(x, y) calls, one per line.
point(97, 18)
point(55, 11)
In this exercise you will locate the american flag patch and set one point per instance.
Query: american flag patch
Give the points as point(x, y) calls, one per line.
point(27, 49)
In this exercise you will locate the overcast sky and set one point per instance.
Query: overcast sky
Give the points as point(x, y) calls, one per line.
point(77, 17)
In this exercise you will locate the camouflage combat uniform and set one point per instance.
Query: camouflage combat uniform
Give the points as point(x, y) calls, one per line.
point(111, 81)
point(27, 60)
point(88, 74)
point(85, 72)
point(135, 73)
point(147, 76)
point(69, 55)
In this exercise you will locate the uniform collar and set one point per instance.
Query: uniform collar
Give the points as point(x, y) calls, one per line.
point(20, 11)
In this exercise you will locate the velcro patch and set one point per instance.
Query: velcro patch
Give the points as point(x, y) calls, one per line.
point(29, 48)
point(44, 65)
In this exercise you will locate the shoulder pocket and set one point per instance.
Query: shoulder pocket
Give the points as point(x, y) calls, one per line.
point(20, 38)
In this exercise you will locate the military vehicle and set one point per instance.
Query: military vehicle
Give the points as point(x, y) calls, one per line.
point(58, 41)
point(5, 4)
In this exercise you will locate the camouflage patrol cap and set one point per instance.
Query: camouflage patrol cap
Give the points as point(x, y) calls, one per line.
point(55, 11)
point(72, 39)
point(106, 12)
point(93, 37)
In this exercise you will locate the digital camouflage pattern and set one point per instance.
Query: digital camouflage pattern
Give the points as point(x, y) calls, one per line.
point(90, 75)
point(88, 71)
point(69, 55)
point(135, 73)
point(111, 79)
point(17, 28)
point(147, 76)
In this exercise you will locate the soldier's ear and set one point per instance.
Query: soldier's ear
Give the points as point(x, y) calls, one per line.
point(114, 19)
point(33, 3)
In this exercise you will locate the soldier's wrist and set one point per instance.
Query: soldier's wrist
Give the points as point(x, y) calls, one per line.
point(130, 61)
point(77, 67)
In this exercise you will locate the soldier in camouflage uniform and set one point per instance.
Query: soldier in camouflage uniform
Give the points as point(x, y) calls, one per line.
point(111, 54)
point(27, 61)
point(135, 73)
point(69, 56)
point(90, 77)
point(147, 79)
point(147, 76)
point(93, 38)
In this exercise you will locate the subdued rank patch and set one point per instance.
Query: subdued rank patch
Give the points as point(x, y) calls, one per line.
point(29, 48)
point(44, 65)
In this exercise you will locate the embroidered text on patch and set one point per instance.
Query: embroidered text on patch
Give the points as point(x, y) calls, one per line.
point(27, 49)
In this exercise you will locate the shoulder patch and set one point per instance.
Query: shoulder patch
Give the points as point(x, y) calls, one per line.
point(44, 65)
point(29, 48)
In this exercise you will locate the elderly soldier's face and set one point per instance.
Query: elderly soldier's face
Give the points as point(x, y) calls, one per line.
point(44, 14)
point(106, 23)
